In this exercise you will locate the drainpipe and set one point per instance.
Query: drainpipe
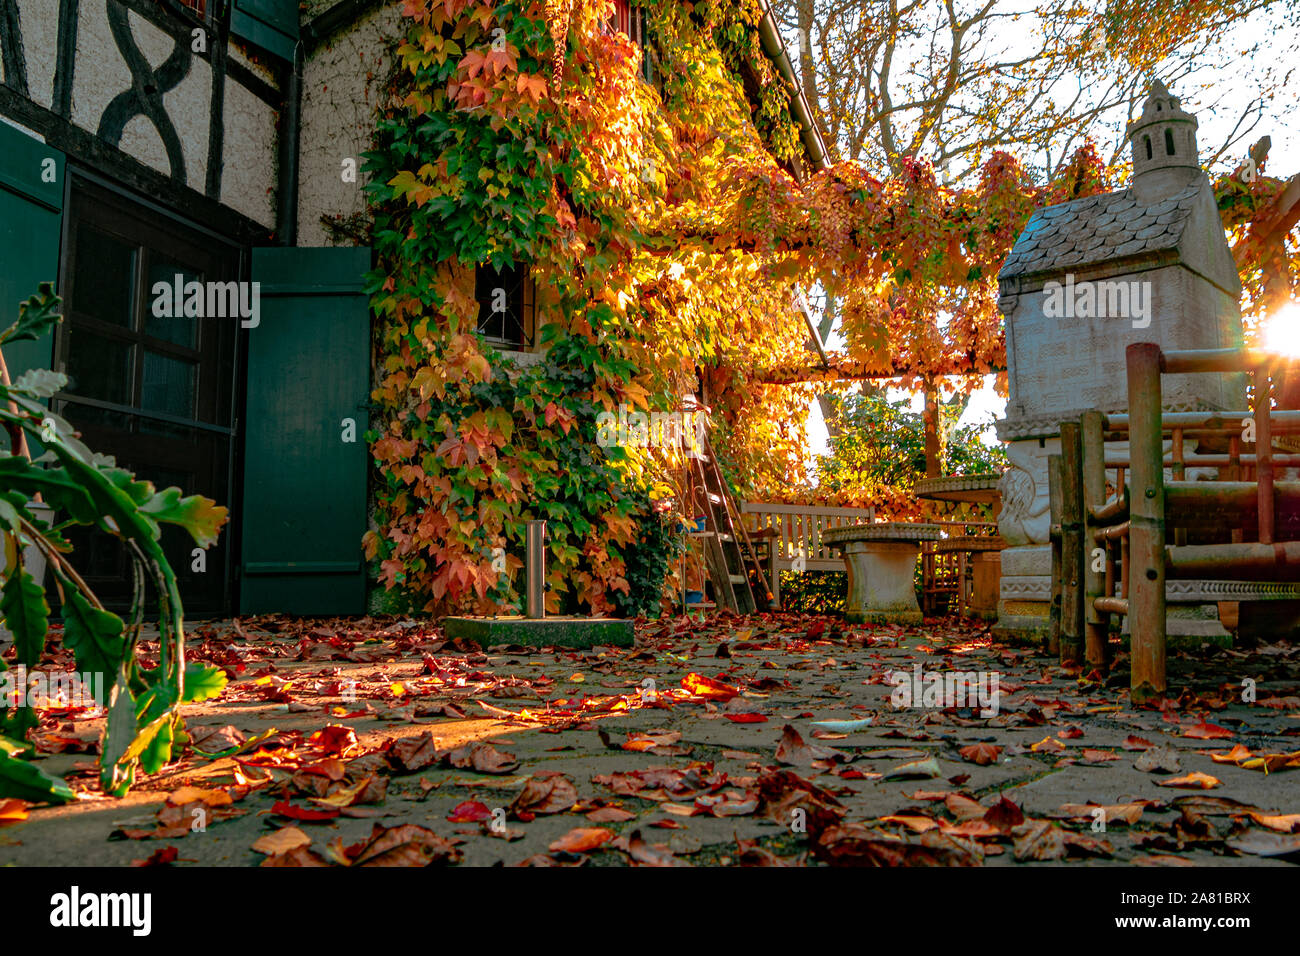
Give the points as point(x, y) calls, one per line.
point(286, 213)
point(774, 46)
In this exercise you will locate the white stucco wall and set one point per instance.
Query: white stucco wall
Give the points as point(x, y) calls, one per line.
point(39, 21)
point(101, 73)
point(341, 81)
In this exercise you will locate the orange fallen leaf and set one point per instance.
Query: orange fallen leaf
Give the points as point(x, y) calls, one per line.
point(1192, 781)
point(212, 798)
point(1283, 823)
point(12, 810)
point(281, 841)
point(1204, 731)
point(1237, 754)
point(708, 688)
point(982, 754)
point(581, 840)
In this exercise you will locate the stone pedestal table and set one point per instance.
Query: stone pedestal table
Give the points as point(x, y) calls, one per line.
point(881, 562)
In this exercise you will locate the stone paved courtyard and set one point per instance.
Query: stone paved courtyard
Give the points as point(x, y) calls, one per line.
point(699, 746)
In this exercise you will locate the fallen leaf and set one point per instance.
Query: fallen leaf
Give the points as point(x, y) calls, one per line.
point(581, 840)
point(708, 688)
point(982, 754)
point(1206, 731)
point(281, 841)
point(1192, 781)
point(545, 792)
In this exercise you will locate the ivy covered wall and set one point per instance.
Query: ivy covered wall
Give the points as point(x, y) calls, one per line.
point(521, 135)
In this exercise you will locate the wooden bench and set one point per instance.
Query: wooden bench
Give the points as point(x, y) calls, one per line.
point(794, 535)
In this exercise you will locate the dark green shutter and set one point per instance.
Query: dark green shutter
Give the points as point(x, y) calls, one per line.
point(271, 24)
point(31, 220)
point(304, 488)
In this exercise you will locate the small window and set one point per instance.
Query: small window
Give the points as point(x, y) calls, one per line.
point(506, 305)
point(1169, 142)
point(631, 20)
point(1147, 139)
point(198, 7)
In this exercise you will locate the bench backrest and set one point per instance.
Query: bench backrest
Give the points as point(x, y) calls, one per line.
point(801, 526)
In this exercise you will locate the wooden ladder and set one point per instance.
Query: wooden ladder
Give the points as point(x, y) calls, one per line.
point(727, 546)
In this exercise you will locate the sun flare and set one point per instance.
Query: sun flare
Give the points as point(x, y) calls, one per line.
point(1282, 332)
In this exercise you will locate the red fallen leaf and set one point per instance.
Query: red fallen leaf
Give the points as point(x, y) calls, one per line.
point(667, 824)
point(1136, 743)
point(285, 809)
point(708, 688)
point(12, 810)
point(581, 840)
point(749, 718)
point(471, 811)
point(161, 857)
point(982, 754)
point(331, 768)
point(1070, 733)
point(610, 815)
point(1004, 815)
point(335, 739)
point(1205, 731)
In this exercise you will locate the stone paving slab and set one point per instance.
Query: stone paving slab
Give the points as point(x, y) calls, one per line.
point(571, 711)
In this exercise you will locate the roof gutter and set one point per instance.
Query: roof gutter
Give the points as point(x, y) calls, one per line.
point(774, 46)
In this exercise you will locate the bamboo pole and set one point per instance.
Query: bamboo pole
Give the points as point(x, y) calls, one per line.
point(1054, 497)
point(1071, 547)
point(1096, 623)
point(1264, 455)
point(1145, 568)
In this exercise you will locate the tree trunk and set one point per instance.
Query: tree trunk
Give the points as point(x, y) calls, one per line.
point(933, 444)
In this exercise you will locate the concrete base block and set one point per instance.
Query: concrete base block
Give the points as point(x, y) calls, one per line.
point(577, 632)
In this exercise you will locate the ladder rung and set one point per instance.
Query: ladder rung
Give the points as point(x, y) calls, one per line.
point(737, 578)
point(716, 499)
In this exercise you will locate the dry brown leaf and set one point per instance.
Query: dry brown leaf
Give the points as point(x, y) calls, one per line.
point(281, 841)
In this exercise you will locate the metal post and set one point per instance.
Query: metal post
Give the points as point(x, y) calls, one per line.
point(535, 567)
point(1096, 624)
point(1146, 564)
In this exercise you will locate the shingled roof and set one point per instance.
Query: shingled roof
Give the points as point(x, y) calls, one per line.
point(1099, 229)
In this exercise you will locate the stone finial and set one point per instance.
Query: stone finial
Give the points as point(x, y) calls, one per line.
point(1163, 139)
